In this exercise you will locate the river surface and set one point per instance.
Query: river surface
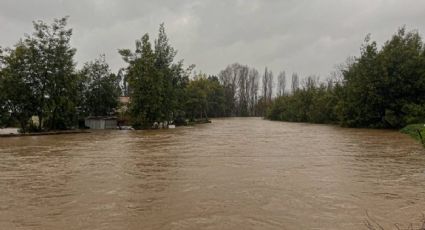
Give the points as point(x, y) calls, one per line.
point(241, 173)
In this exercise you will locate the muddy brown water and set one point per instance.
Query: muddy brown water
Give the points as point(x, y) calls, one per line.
point(241, 173)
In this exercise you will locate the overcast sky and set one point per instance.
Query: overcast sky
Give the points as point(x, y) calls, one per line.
point(304, 36)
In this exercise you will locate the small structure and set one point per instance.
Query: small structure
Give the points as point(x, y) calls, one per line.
point(101, 122)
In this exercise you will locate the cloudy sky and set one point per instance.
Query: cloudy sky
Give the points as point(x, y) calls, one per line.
point(304, 36)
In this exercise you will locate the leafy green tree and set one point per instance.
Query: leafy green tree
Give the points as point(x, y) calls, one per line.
point(145, 83)
point(100, 89)
point(15, 85)
point(164, 56)
point(313, 102)
point(205, 97)
point(382, 86)
point(52, 71)
point(215, 98)
point(197, 92)
point(156, 84)
point(4, 113)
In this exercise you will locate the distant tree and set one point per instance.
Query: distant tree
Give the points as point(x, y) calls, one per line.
point(241, 87)
point(253, 88)
point(295, 82)
point(243, 91)
point(197, 103)
point(229, 78)
point(268, 85)
point(215, 97)
point(205, 97)
point(281, 83)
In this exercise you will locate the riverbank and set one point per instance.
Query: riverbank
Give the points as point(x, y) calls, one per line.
point(416, 131)
point(43, 133)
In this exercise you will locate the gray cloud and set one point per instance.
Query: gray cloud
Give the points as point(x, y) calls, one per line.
point(304, 36)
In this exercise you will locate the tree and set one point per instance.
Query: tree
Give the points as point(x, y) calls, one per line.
point(4, 113)
point(101, 88)
point(229, 78)
point(267, 86)
point(281, 83)
point(197, 92)
point(51, 69)
point(145, 83)
point(205, 97)
point(240, 84)
point(156, 84)
point(164, 57)
point(15, 85)
point(253, 86)
point(215, 97)
point(295, 82)
point(123, 82)
point(382, 86)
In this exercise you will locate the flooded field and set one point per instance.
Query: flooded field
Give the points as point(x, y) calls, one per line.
point(241, 173)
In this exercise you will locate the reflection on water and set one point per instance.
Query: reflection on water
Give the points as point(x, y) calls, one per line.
point(242, 173)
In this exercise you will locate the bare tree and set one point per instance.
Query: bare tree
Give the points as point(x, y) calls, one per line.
point(241, 85)
point(271, 85)
point(229, 79)
point(253, 88)
point(267, 86)
point(281, 83)
point(243, 90)
point(295, 82)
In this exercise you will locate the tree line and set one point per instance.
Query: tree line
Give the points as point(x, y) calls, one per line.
point(39, 78)
point(383, 88)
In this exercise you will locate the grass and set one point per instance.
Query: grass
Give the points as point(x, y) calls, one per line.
point(416, 131)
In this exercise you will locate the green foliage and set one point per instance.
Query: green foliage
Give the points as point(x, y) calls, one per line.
point(100, 89)
point(383, 87)
point(4, 110)
point(205, 97)
point(312, 103)
point(145, 84)
point(38, 77)
point(53, 68)
point(16, 88)
point(156, 84)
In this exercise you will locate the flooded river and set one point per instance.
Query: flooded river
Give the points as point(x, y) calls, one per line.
point(232, 174)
